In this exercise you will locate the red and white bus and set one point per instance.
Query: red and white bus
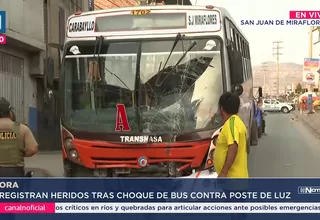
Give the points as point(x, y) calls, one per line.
point(140, 86)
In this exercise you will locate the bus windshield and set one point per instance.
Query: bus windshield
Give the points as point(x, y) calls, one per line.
point(168, 96)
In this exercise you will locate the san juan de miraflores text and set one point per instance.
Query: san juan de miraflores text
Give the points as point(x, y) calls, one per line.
point(143, 195)
point(280, 22)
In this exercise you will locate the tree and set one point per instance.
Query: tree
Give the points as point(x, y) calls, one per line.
point(299, 88)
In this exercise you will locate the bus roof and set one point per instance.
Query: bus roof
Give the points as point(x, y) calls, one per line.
point(223, 11)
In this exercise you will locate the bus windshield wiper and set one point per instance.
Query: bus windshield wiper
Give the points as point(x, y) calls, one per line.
point(184, 55)
point(178, 38)
point(101, 42)
point(179, 61)
point(96, 46)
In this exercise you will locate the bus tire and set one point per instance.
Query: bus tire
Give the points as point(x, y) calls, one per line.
point(254, 133)
point(260, 131)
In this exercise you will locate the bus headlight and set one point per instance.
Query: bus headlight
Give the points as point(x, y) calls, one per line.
point(211, 152)
point(68, 143)
point(73, 154)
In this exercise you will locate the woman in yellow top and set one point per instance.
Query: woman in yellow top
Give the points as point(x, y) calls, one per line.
point(230, 156)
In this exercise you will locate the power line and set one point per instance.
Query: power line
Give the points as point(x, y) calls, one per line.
point(277, 53)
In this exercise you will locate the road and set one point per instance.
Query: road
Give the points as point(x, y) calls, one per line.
point(289, 150)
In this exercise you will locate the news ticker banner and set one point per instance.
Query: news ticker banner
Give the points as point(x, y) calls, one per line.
point(179, 195)
point(3, 39)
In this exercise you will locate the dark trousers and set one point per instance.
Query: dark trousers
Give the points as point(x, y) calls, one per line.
point(263, 126)
point(11, 172)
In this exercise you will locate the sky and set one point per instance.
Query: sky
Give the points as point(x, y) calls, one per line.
point(295, 38)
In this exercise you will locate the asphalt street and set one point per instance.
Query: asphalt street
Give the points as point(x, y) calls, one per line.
point(290, 149)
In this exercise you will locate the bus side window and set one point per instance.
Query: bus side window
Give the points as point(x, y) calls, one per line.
point(245, 59)
point(228, 30)
point(235, 40)
point(246, 48)
point(243, 49)
point(248, 60)
point(250, 69)
point(238, 42)
point(232, 35)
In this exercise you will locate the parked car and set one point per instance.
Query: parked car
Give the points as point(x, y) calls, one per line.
point(273, 105)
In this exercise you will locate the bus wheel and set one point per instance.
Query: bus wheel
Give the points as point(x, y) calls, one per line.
point(254, 133)
point(260, 131)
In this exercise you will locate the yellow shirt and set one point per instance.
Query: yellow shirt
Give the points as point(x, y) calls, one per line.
point(232, 131)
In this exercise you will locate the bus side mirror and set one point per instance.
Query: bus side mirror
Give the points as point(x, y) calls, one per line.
point(236, 66)
point(238, 89)
point(260, 92)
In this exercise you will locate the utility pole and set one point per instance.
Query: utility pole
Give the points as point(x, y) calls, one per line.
point(264, 70)
point(277, 52)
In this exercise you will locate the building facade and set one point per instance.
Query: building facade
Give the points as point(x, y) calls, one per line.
point(30, 61)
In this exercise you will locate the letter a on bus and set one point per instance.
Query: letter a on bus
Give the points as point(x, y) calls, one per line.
point(122, 123)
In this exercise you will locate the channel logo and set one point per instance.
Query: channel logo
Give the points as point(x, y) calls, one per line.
point(2, 22)
point(309, 190)
point(3, 39)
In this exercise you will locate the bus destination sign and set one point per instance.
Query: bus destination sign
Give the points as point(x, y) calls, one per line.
point(145, 20)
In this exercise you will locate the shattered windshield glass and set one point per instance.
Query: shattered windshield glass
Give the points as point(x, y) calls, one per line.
point(176, 97)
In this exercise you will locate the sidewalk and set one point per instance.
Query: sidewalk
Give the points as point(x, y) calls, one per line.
point(312, 121)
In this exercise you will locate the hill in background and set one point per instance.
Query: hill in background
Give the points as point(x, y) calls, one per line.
point(290, 75)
